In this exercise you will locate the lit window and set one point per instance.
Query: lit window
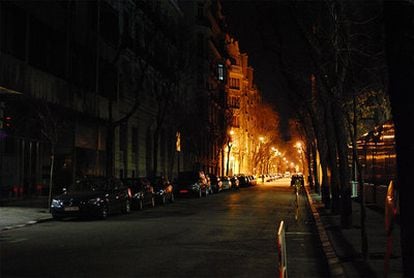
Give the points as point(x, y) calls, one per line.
point(220, 72)
point(235, 83)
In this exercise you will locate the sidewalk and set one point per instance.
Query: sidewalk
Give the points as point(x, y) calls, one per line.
point(343, 246)
point(22, 212)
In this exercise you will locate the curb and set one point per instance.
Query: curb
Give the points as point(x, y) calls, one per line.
point(335, 267)
point(28, 223)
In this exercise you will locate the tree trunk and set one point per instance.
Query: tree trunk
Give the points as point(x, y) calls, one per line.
point(344, 175)
point(321, 144)
point(110, 134)
point(228, 159)
point(52, 165)
point(315, 169)
point(399, 43)
point(332, 157)
point(155, 153)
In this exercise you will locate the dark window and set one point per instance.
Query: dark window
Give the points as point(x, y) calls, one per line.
point(9, 145)
point(200, 45)
point(12, 30)
point(108, 79)
point(109, 24)
point(83, 67)
point(134, 138)
point(123, 137)
point(40, 45)
point(127, 32)
point(200, 10)
point(92, 8)
point(138, 35)
point(57, 53)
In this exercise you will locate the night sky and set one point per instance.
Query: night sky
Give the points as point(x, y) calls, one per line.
point(261, 27)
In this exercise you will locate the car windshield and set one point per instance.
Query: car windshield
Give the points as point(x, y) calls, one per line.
point(188, 177)
point(89, 185)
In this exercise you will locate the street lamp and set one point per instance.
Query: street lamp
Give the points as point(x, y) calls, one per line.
point(229, 145)
point(261, 141)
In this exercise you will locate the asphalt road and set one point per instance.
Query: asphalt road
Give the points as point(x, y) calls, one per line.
point(230, 234)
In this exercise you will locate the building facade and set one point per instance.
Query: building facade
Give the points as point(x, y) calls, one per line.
point(243, 98)
point(89, 84)
point(119, 88)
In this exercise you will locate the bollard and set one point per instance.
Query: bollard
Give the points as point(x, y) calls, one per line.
point(281, 247)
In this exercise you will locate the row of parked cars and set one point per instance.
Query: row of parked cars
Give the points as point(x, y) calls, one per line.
point(199, 184)
point(102, 196)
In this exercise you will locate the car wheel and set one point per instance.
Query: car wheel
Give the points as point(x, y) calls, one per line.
point(104, 212)
point(153, 202)
point(57, 218)
point(127, 207)
point(172, 198)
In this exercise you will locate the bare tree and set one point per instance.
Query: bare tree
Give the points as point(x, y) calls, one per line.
point(399, 45)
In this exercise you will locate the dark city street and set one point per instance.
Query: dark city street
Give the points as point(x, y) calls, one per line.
point(231, 234)
point(206, 138)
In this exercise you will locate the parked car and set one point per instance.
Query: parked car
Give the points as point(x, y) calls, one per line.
point(142, 192)
point(216, 184)
point(235, 183)
point(226, 182)
point(243, 181)
point(163, 189)
point(209, 188)
point(252, 181)
point(191, 183)
point(92, 196)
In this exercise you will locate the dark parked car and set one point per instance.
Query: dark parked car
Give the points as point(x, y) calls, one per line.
point(216, 184)
point(297, 177)
point(191, 183)
point(226, 182)
point(163, 189)
point(243, 181)
point(235, 183)
point(92, 196)
point(142, 192)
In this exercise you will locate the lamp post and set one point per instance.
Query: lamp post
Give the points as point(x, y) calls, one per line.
point(229, 145)
point(261, 141)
